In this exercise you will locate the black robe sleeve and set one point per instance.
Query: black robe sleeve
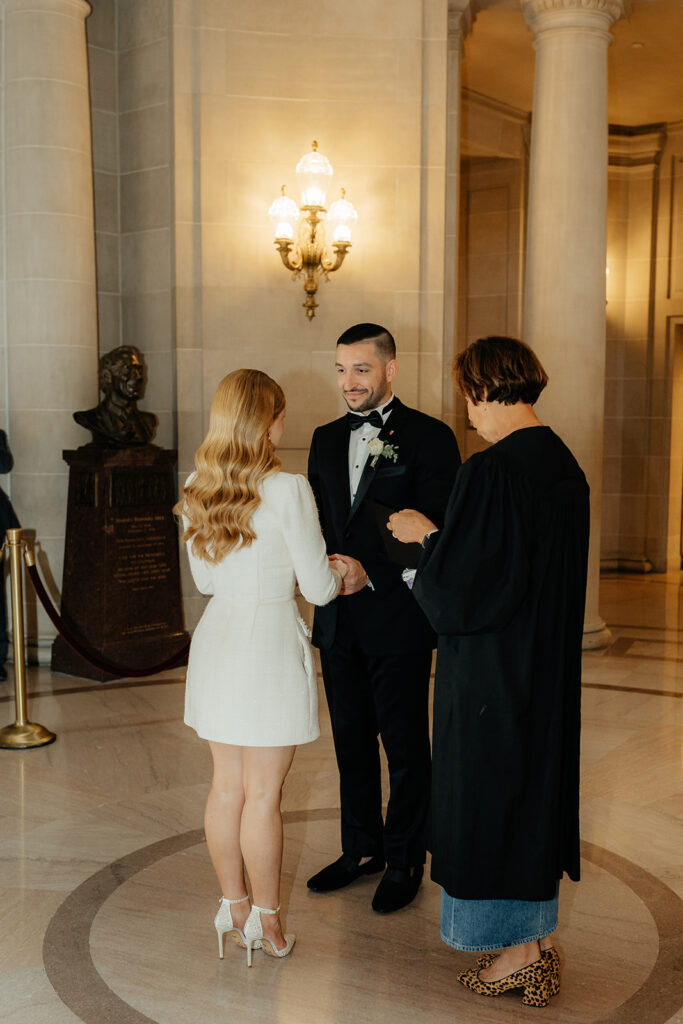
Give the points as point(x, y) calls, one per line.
point(475, 574)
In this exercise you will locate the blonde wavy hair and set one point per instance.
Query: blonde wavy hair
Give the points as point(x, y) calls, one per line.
point(232, 461)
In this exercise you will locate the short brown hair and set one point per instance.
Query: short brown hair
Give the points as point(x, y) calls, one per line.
point(383, 339)
point(499, 370)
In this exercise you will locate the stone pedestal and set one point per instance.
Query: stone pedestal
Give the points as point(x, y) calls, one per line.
point(121, 585)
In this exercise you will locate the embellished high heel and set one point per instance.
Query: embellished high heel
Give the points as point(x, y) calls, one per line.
point(533, 979)
point(224, 925)
point(254, 937)
point(552, 962)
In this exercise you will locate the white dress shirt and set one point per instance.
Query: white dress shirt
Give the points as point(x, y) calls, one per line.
point(358, 446)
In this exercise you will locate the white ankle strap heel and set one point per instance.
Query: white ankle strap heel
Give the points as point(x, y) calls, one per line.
point(225, 925)
point(253, 934)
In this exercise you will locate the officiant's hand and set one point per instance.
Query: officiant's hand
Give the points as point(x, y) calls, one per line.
point(356, 577)
point(409, 526)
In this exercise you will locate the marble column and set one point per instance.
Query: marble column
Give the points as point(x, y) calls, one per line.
point(50, 321)
point(564, 310)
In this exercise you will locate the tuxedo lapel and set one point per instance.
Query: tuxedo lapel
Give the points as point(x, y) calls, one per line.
point(336, 470)
point(389, 432)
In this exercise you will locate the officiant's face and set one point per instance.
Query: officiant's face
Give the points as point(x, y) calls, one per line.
point(363, 377)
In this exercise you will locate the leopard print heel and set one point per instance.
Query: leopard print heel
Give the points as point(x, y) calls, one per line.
point(552, 960)
point(533, 979)
point(486, 959)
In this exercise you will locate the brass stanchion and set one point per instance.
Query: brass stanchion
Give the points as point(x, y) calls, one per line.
point(22, 734)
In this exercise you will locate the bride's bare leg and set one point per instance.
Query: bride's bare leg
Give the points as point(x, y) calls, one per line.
point(222, 819)
point(264, 772)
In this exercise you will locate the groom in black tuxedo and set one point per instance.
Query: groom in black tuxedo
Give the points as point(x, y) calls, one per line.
point(375, 643)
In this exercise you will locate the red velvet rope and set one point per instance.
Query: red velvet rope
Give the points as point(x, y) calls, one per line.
point(92, 657)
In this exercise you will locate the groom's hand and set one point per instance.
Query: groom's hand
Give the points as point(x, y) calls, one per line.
point(356, 577)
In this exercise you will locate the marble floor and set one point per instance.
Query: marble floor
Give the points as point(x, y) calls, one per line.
point(107, 894)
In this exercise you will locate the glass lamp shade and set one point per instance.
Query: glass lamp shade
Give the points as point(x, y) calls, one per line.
point(342, 216)
point(313, 174)
point(284, 214)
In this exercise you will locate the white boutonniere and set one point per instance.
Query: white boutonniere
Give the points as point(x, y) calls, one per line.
point(379, 449)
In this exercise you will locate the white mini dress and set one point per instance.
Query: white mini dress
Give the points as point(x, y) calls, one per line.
point(250, 677)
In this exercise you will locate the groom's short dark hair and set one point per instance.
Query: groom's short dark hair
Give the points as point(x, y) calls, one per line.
point(384, 342)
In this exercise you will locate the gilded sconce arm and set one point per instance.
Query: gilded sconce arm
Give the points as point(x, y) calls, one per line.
point(290, 256)
point(329, 263)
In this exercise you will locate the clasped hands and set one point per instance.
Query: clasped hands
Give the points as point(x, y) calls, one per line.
point(354, 576)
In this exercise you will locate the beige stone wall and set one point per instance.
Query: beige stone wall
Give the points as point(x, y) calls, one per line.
point(103, 77)
point(130, 62)
point(146, 191)
point(491, 260)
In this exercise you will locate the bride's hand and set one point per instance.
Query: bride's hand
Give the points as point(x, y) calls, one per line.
point(341, 567)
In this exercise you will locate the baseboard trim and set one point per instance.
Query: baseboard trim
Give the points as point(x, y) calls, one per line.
point(635, 565)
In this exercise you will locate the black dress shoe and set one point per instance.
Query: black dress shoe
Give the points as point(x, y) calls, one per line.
point(343, 872)
point(3, 672)
point(397, 889)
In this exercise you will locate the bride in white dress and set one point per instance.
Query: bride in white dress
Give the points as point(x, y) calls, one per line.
point(252, 532)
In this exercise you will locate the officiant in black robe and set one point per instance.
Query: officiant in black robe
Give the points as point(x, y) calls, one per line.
point(503, 584)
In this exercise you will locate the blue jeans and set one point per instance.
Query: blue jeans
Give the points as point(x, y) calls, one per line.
point(481, 925)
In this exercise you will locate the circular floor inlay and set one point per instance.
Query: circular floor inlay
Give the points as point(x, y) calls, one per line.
point(76, 979)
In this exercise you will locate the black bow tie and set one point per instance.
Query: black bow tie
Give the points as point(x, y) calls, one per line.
point(356, 421)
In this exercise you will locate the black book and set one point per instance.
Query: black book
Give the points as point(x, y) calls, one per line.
point(407, 555)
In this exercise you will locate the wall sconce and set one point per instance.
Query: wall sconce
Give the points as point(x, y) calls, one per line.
point(302, 247)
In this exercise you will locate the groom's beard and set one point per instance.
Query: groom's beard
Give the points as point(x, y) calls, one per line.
point(366, 399)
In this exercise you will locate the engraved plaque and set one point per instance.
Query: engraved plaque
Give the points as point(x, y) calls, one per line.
point(121, 588)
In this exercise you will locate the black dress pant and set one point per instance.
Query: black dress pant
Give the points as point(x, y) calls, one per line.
point(386, 696)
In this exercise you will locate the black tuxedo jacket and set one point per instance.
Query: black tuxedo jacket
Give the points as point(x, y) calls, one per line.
point(386, 620)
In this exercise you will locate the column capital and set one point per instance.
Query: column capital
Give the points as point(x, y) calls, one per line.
point(598, 15)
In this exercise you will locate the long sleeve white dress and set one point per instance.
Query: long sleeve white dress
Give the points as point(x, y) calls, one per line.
point(250, 676)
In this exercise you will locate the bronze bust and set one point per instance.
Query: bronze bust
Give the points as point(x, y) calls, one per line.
point(117, 422)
